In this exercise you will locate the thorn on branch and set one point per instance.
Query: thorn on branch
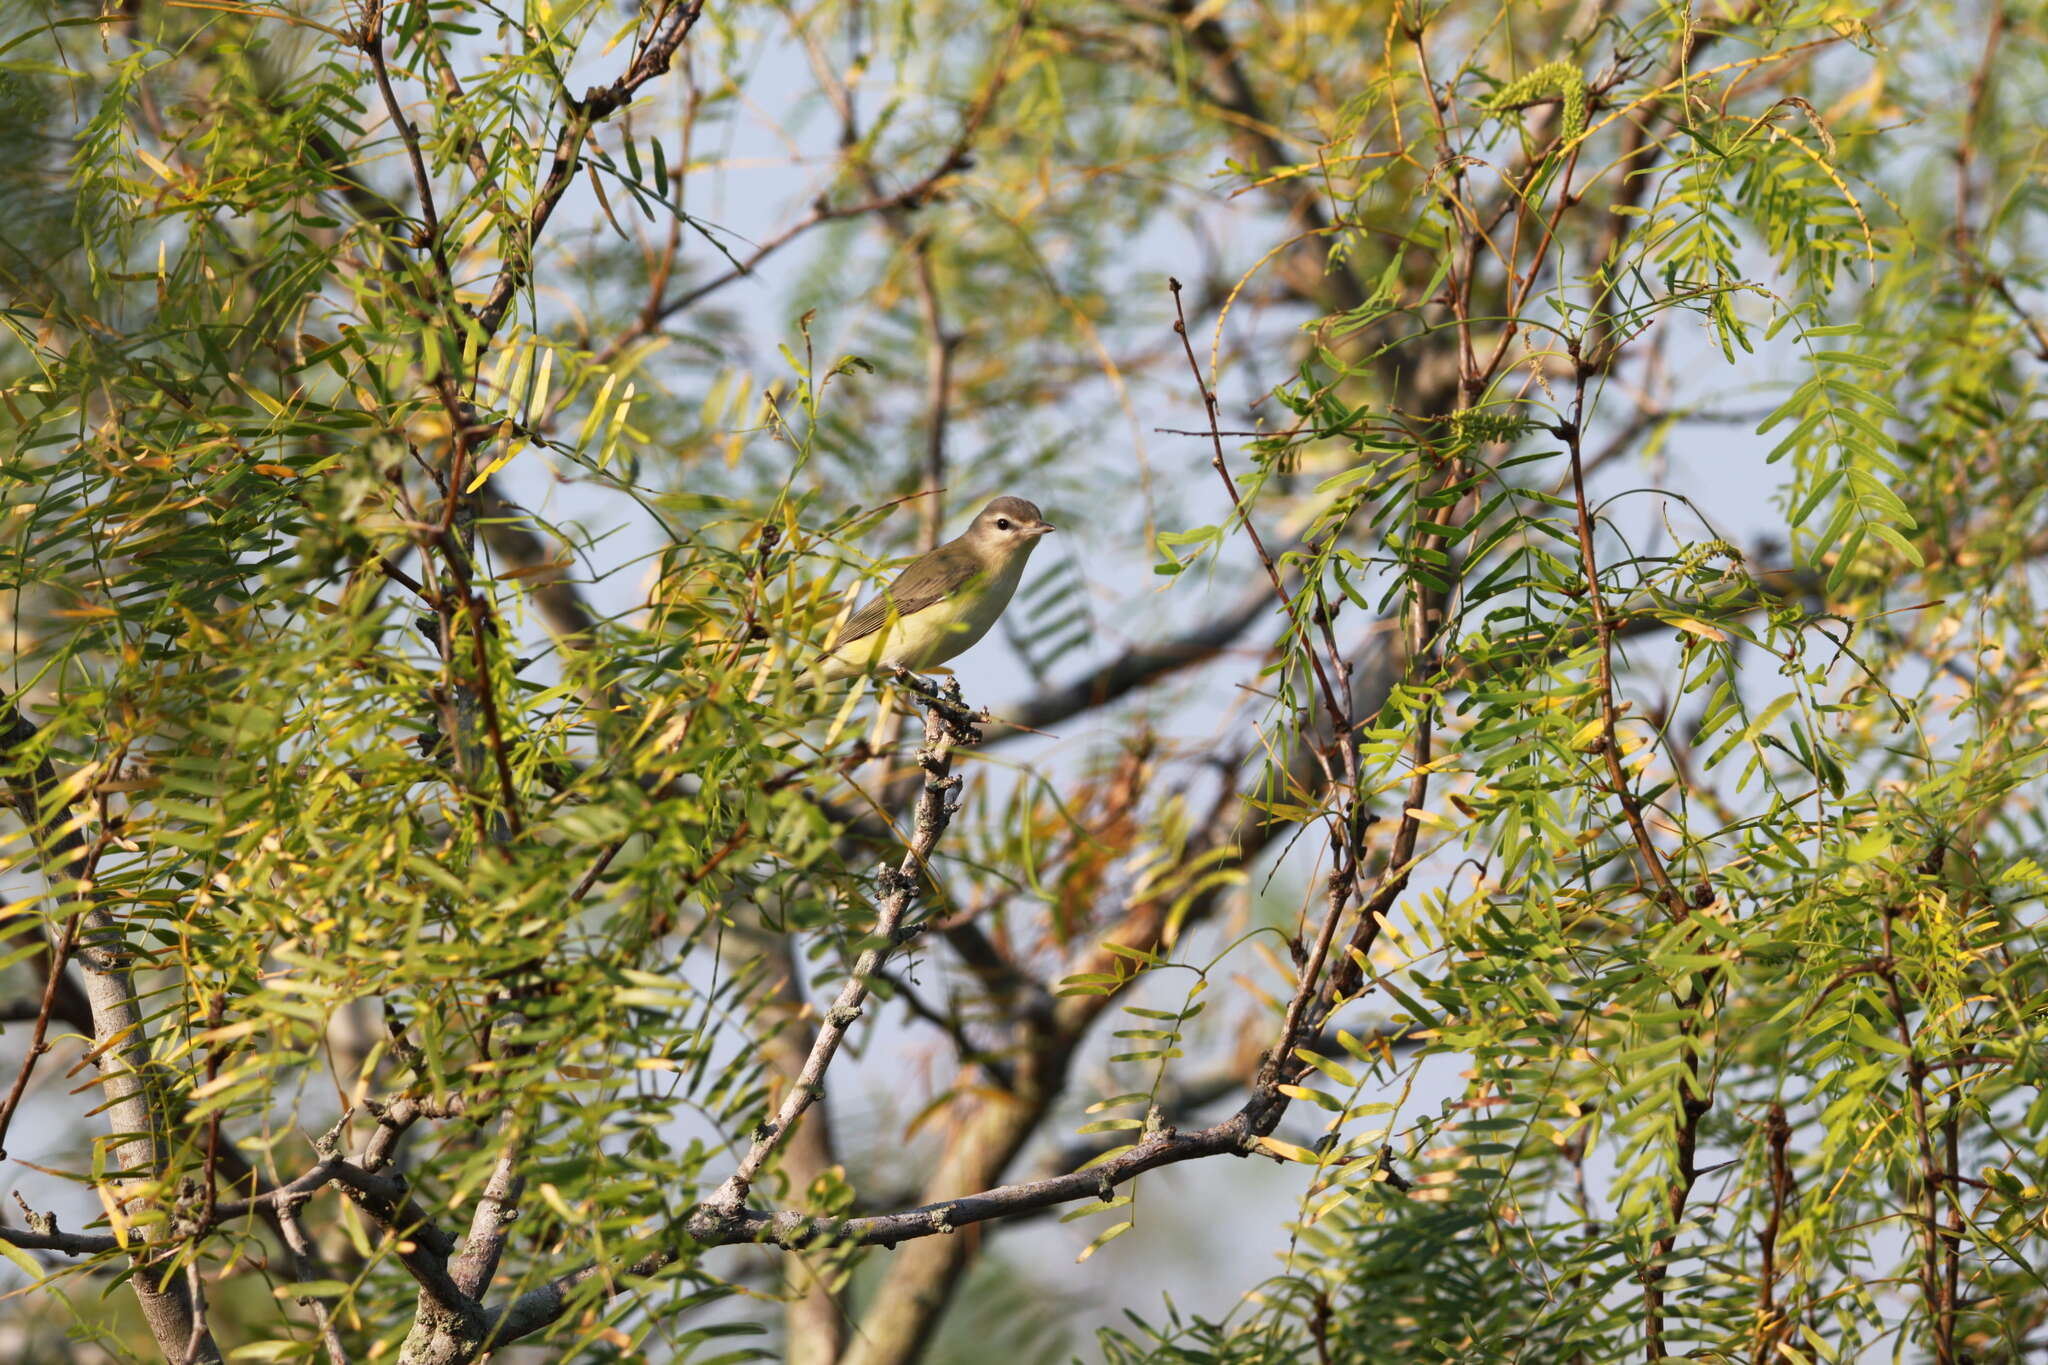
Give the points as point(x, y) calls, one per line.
point(43, 1223)
point(328, 1145)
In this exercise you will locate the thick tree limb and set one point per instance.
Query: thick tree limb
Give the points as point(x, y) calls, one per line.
point(1137, 667)
point(31, 782)
point(496, 1208)
point(119, 1033)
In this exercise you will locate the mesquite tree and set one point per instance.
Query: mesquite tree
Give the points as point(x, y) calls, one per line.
point(1541, 735)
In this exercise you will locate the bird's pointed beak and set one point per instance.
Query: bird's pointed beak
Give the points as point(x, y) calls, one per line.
point(1044, 528)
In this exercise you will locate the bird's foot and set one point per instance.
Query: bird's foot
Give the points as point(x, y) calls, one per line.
point(963, 723)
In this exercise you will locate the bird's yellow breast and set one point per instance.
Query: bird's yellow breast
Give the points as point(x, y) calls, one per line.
point(945, 629)
point(925, 639)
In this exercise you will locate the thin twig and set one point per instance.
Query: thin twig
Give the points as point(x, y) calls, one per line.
point(1940, 1309)
point(1770, 1319)
point(487, 697)
point(599, 103)
point(1334, 708)
point(899, 888)
point(1603, 628)
point(2000, 287)
point(951, 1026)
point(372, 45)
point(1695, 1098)
point(304, 1259)
point(59, 960)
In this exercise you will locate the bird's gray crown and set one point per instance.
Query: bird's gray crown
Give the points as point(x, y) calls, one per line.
point(1017, 509)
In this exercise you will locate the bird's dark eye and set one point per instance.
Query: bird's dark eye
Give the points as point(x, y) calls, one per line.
point(1002, 523)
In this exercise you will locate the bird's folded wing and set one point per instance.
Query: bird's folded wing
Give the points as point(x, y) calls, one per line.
point(927, 581)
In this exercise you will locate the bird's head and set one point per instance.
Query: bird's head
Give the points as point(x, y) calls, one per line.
point(1007, 527)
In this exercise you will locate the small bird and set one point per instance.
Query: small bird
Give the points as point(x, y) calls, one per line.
point(944, 602)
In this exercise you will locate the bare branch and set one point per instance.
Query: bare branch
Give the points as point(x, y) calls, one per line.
point(372, 44)
point(69, 1243)
point(305, 1261)
point(492, 1224)
point(396, 1116)
point(52, 983)
point(899, 887)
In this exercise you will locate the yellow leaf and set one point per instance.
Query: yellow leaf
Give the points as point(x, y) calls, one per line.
point(218, 1084)
point(553, 568)
point(1692, 627)
point(490, 469)
point(1287, 1151)
point(552, 1197)
point(117, 1220)
point(1109, 1233)
point(165, 171)
point(263, 400)
point(227, 1033)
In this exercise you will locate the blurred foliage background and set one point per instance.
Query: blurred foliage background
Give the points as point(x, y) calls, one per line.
point(1549, 753)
